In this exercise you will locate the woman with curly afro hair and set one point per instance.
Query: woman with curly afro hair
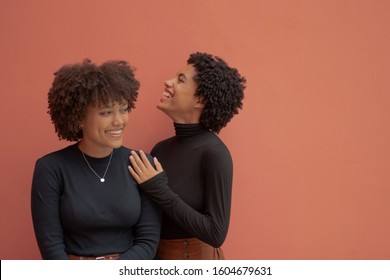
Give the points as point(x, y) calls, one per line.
point(84, 202)
point(196, 200)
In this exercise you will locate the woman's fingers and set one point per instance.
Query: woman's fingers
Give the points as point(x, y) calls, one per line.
point(134, 174)
point(136, 163)
point(145, 160)
point(158, 165)
point(141, 168)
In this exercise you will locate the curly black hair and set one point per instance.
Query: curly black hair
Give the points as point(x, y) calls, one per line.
point(220, 87)
point(77, 86)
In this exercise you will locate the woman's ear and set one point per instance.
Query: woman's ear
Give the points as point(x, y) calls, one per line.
point(199, 103)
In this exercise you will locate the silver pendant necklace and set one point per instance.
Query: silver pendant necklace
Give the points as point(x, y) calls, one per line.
point(102, 179)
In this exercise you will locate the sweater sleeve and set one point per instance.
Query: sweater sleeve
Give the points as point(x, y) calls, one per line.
point(146, 232)
point(211, 226)
point(45, 199)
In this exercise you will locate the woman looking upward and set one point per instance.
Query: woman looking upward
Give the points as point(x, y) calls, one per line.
point(194, 189)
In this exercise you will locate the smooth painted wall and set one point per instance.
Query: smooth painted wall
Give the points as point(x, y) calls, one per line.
point(311, 146)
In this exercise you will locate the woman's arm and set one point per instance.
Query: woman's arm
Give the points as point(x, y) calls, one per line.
point(45, 197)
point(146, 232)
point(211, 226)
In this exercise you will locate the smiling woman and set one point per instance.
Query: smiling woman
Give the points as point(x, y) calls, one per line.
point(178, 98)
point(85, 205)
point(196, 200)
point(103, 128)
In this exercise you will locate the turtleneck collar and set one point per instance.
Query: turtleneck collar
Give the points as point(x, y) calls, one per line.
point(186, 131)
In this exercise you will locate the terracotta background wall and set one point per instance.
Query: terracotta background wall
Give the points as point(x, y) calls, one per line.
point(311, 147)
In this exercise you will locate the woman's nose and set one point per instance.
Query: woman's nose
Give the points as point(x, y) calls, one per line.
point(168, 83)
point(118, 119)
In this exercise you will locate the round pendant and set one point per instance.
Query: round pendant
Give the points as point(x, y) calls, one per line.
point(102, 180)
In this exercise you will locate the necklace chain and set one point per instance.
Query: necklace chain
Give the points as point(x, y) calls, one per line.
point(102, 179)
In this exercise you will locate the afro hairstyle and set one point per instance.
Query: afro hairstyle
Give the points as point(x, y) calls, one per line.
point(76, 86)
point(220, 87)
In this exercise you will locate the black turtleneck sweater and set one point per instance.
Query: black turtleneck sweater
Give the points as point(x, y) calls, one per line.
point(196, 200)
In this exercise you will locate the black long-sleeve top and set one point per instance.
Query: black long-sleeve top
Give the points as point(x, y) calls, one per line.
point(74, 213)
point(196, 201)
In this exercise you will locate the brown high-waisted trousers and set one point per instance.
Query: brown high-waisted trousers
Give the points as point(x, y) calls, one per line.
point(187, 249)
